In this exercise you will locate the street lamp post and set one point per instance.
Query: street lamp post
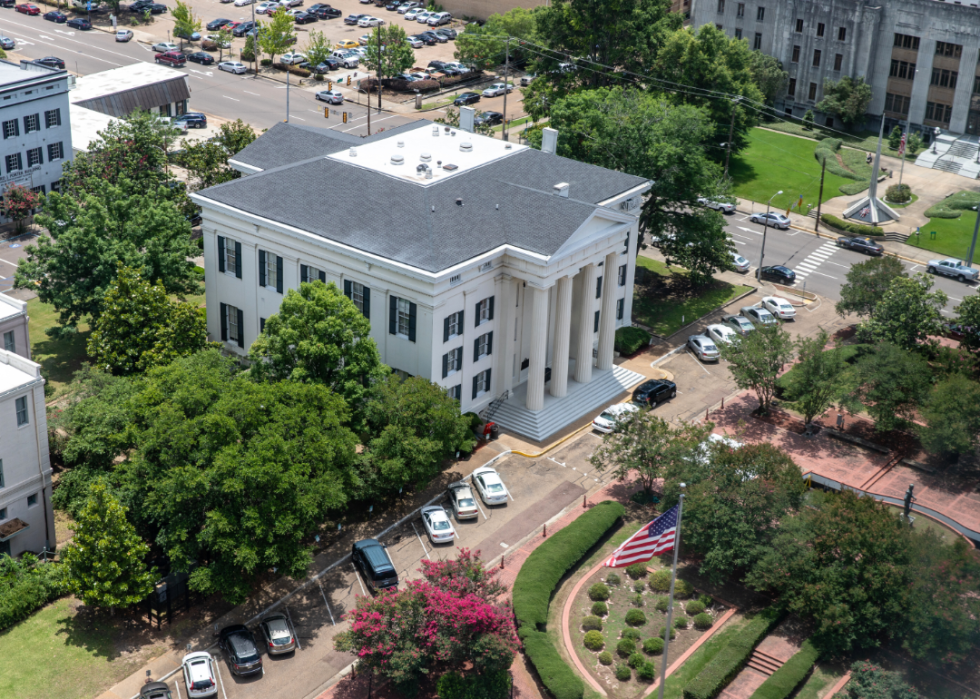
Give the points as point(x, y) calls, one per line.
point(765, 230)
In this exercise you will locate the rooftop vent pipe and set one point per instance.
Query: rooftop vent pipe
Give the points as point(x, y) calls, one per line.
point(466, 147)
point(561, 189)
point(426, 158)
point(397, 159)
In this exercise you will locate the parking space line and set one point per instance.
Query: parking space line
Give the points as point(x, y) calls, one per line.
point(419, 538)
point(358, 576)
point(477, 501)
point(509, 495)
point(217, 668)
point(9, 262)
point(330, 611)
point(825, 275)
point(291, 624)
point(177, 685)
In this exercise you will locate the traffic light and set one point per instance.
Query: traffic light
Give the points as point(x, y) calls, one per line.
point(329, 84)
point(345, 117)
point(326, 112)
point(348, 81)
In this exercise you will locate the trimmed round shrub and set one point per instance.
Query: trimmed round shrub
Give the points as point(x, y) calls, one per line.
point(647, 671)
point(637, 571)
point(635, 617)
point(591, 623)
point(631, 634)
point(683, 589)
point(594, 641)
point(706, 600)
point(680, 623)
point(639, 586)
point(636, 660)
point(626, 647)
point(694, 607)
point(703, 621)
point(660, 581)
point(899, 193)
point(598, 593)
point(661, 604)
point(606, 658)
point(653, 646)
point(636, 600)
point(599, 609)
point(612, 579)
point(623, 672)
point(663, 629)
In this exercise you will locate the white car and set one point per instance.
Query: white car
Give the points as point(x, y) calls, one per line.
point(414, 42)
point(243, 3)
point(370, 22)
point(413, 13)
point(462, 501)
point(199, 675)
point(263, 7)
point(236, 67)
point(781, 308)
point(407, 7)
point(165, 46)
point(330, 96)
point(293, 58)
point(214, 39)
point(722, 206)
point(124, 35)
point(704, 347)
point(607, 420)
point(489, 486)
point(497, 89)
point(741, 264)
point(437, 525)
point(456, 65)
point(721, 334)
point(772, 220)
point(364, 39)
point(423, 16)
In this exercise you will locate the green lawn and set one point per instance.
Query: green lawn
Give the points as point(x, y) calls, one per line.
point(953, 236)
point(671, 303)
point(775, 162)
point(820, 681)
point(54, 654)
point(866, 141)
point(59, 358)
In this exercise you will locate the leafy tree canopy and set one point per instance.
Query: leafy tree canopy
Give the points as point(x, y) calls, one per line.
point(394, 56)
point(908, 313)
point(847, 99)
point(757, 358)
point(207, 160)
point(866, 283)
point(275, 38)
point(952, 415)
point(485, 46)
point(968, 316)
point(768, 74)
point(820, 377)
point(890, 384)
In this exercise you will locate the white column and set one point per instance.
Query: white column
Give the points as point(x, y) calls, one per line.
point(607, 318)
point(563, 327)
point(505, 332)
point(537, 299)
point(583, 350)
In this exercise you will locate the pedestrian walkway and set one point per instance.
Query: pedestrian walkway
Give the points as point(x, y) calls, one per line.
point(812, 261)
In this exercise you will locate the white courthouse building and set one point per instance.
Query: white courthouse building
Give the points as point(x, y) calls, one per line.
point(497, 271)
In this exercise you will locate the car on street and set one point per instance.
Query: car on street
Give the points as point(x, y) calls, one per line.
point(28, 9)
point(778, 273)
point(653, 392)
point(488, 484)
point(722, 206)
point(202, 57)
point(774, 220)
point(330, 96)
point(238, 643)
point(779, 307)
point(720, 334)
point(370, 22)
point(741, 264)
point(194, 120)
point(758, 316)
point(865, 245)
point(171, 58)
point(302, 17)
point(7, 44)
point(278, 635)
point(124, 35)
point(437, 525)
point(372, 561)
point(79, 23)
point(243, 28)
point(164, 46)
point(236, 67)
point(56, 17)
point(953, 268)
point(215, 25)
point(327, 13)
point(50, 62)
point(607, 420)
point(497, 89)
point(739, 324)
point(704, 348)
point(199, 675)
point(461, 500)
point(293, 58)
point(414, 42)
point(489, 119)
point(467, 98)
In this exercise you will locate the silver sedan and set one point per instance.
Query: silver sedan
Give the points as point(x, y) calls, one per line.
point(704, 347)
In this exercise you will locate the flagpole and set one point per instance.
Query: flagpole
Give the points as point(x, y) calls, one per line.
point(670, 602)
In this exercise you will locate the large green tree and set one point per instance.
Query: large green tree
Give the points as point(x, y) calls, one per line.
point(820, 377)
point(847, 99)
point(186, 22)
point(968, 316)
point(890, 383)
point(768, 74)
point(484, 46)
point(951, 412)
point(277, 36)
point(866, 283)
point(756, 359)
point(908, 312)
point(207, 160)
point(387, 53)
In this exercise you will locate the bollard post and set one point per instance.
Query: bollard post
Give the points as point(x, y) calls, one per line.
point(544, 532)
point(501, 563)
point(583, 502)
point(722, 403)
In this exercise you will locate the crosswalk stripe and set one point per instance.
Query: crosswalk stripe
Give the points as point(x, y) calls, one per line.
point(804, 265)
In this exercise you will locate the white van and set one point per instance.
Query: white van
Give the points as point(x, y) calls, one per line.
point(438, 18)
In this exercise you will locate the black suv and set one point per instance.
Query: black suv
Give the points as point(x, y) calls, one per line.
point(372, 560)
point(155, 690)
point(654, 391)
point(50, 62)
point(155, 8)
point(239, 645)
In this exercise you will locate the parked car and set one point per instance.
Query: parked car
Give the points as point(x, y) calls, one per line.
point(171, 58)
point(489, 119)
point(141, 6)
point(449, 33)
point(467, 98)
point(865, 245)
point(374, 564)
point(739, 324)
point(411, 14)
point(497, 89)
point(79, 23)
point(953, 268)
point(722, 206)
point(291, 3)
point(322, 68)
point(421, 15)
point(347, 58)
point(202, 57)
point(779, 307)
point(187, 36)
point(407, 6)
point(741, 264)
point(653, 392)
point(435, 36)
point(461, 500)
point(703, 347)
point(439, 18)
point(243, 28)
point(293, 58)
point(488, 484)
point(238, 643)
point(217, 24)
point(7, 44)
point(393, 5)
point(50, 62)
point(414, 42)
point(346, 44)
point(330, 96)
point(214, 41)
point(720, 334)
point(164, 46)
point(526, 79)
point(608, 419)
point(124, 35)
point(778, 273)
point(278, 635)
point(236, 67)
point(263, 7)
point(353, 19)
point(56, 17)
point(426, 39)
point(243, 3)
point(194, 120)
point(199, 675)
point(775, 220)
point(759, 317)
point(155, 690)
point(370, 22)
point(328, 13)
point(437, 525)
point(28, 9)
point(304, 17)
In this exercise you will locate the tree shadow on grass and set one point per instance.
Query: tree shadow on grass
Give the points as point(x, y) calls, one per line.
point(60, 356)
point(90, 629)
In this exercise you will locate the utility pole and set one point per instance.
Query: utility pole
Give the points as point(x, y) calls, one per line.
point(379, 75)
point(255, 45)
point(823, 169)
point(973, 243)
point(289, 69)
point(731, 135)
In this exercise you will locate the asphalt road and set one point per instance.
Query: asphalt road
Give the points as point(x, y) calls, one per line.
point(820, 266)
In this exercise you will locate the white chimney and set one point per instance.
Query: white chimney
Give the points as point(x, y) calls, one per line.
point(549, 140)
point(466, 115)
point(561, 189)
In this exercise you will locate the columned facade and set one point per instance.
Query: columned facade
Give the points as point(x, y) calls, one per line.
point(563, 327)
point(607, 316)
point(537, 299)
point(583, 347)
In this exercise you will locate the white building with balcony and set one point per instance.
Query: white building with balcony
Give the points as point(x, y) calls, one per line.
point(498, 271)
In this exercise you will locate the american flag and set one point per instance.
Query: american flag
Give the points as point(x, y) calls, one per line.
point(654, 539)
point(901, 147)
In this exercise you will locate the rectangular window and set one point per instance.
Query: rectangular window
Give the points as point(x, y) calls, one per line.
point(904, 41)
point(14, 163)
point(481, 383)
point(796, 54)
point(56, 151)
point(838, 61)
point(820, 29)
point(902, 70)
point(791, 88)
point(9, 343)
point(595, 324)
point(620, 307)
point(944, 78)
point(799, 26)
point(32, 500)
point(452, 326)
point(34, 157)
point(621, 281)
point(357, 295)
point(38, 190)
point(455, 392)
point(270, 271)
point(52, 118)
point(841, 33)
point(403, 318)
point(484, 311)
point(719, 27)
point(229, 256)
point(598, 287)
point(233, 320)
point(816, 58)
point(760, 14)
point(944, 48)
point(897, 103)
point(757, 44)
point(32, 122)
point(813, 91)
point(452, 361)
point(21, 407)
point(740, 10)
point(309, 274)
point(930, 109)
point(721, 7)
point(976, 84)
point(483, 346)
point(261, 325)
point(738, 35)
point(3, 513)
point(11, 129)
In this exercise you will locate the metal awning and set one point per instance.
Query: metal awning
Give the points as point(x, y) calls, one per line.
point(147, 97)
point(8, 530)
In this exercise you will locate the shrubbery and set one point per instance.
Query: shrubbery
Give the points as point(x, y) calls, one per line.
point(694, 607)
point(639, 586)
point(870, 681)
point(612, 579)
point(630, 340)
point(660, 581)
point(635, 617)
point(636, 660)
point(606, 658)
point(594, 641)
point(826, 152)
point(899, 193)
point(663, 630)
point(623, 672)
point(653, 646)
point(599, 609)
point(781, 683)
point(486, 685)
point(680, 623)
point(631, 634)
point(592, 623)
point(599, 592)
point(953, 207)
point(26, 585)
point(662, 603)
point(647, 671)
point(683, 589)
point(852, 228)
point(637, 571)
point(636, 600)
point(703, 621)
point(626, 647)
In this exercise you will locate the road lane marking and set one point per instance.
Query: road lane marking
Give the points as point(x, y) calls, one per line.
point(839, 265)
point(477, 501)
point(251, 93)
point(230, 98)
point(326, 602)
point(825, 275)
point(748, 230)
point(291, 116)
point(221, 681)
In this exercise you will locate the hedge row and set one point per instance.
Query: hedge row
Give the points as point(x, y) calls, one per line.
point(536, 581)
point(952, 207)
point(848, 227)
point(716, 675)
point(781, 683)
point(25, 586)
point(630, 340)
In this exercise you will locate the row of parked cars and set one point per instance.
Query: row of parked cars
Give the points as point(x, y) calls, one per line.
point(705, 346)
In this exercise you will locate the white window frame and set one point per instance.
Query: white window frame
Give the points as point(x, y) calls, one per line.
point(271, 270)
point(357, 296)
point(483, 343)
point(32, 123)
point(483, 385)
point(10, 341)
point(484, 315)
point(11, 129)
point(20, 408)
point(451, 364)
point(231, 260)
point(31, 154)
point(455, 391)
point(234, 332)
point(403, 309)
point(56, 151)
point(455, 327)
point(50, 122)
point(19, 160)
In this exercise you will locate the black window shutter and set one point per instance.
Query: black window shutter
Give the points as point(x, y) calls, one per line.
point(459, 322)
point(476, 316)
point(445, 365)
point(224, 322)
point(459, 359)
point(392, 315)
point(488, 378)
point(367, 300)
point(278, 274)
point(595, 329)
point(476, 385)
point(490, 342)
point(622, 275)
point(261, 267)
point(411, 321)
point(620, 308)
point(445, 329)
point(241, 328)
point(490, 312)
point(261, 325)
point(598, 286)
point(304, 274)
point(322, 275)
point(476, 349)
point(347, 289)
point(221, 253)
point(238, 259)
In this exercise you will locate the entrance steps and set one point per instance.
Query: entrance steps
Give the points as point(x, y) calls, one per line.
point(764, 663)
